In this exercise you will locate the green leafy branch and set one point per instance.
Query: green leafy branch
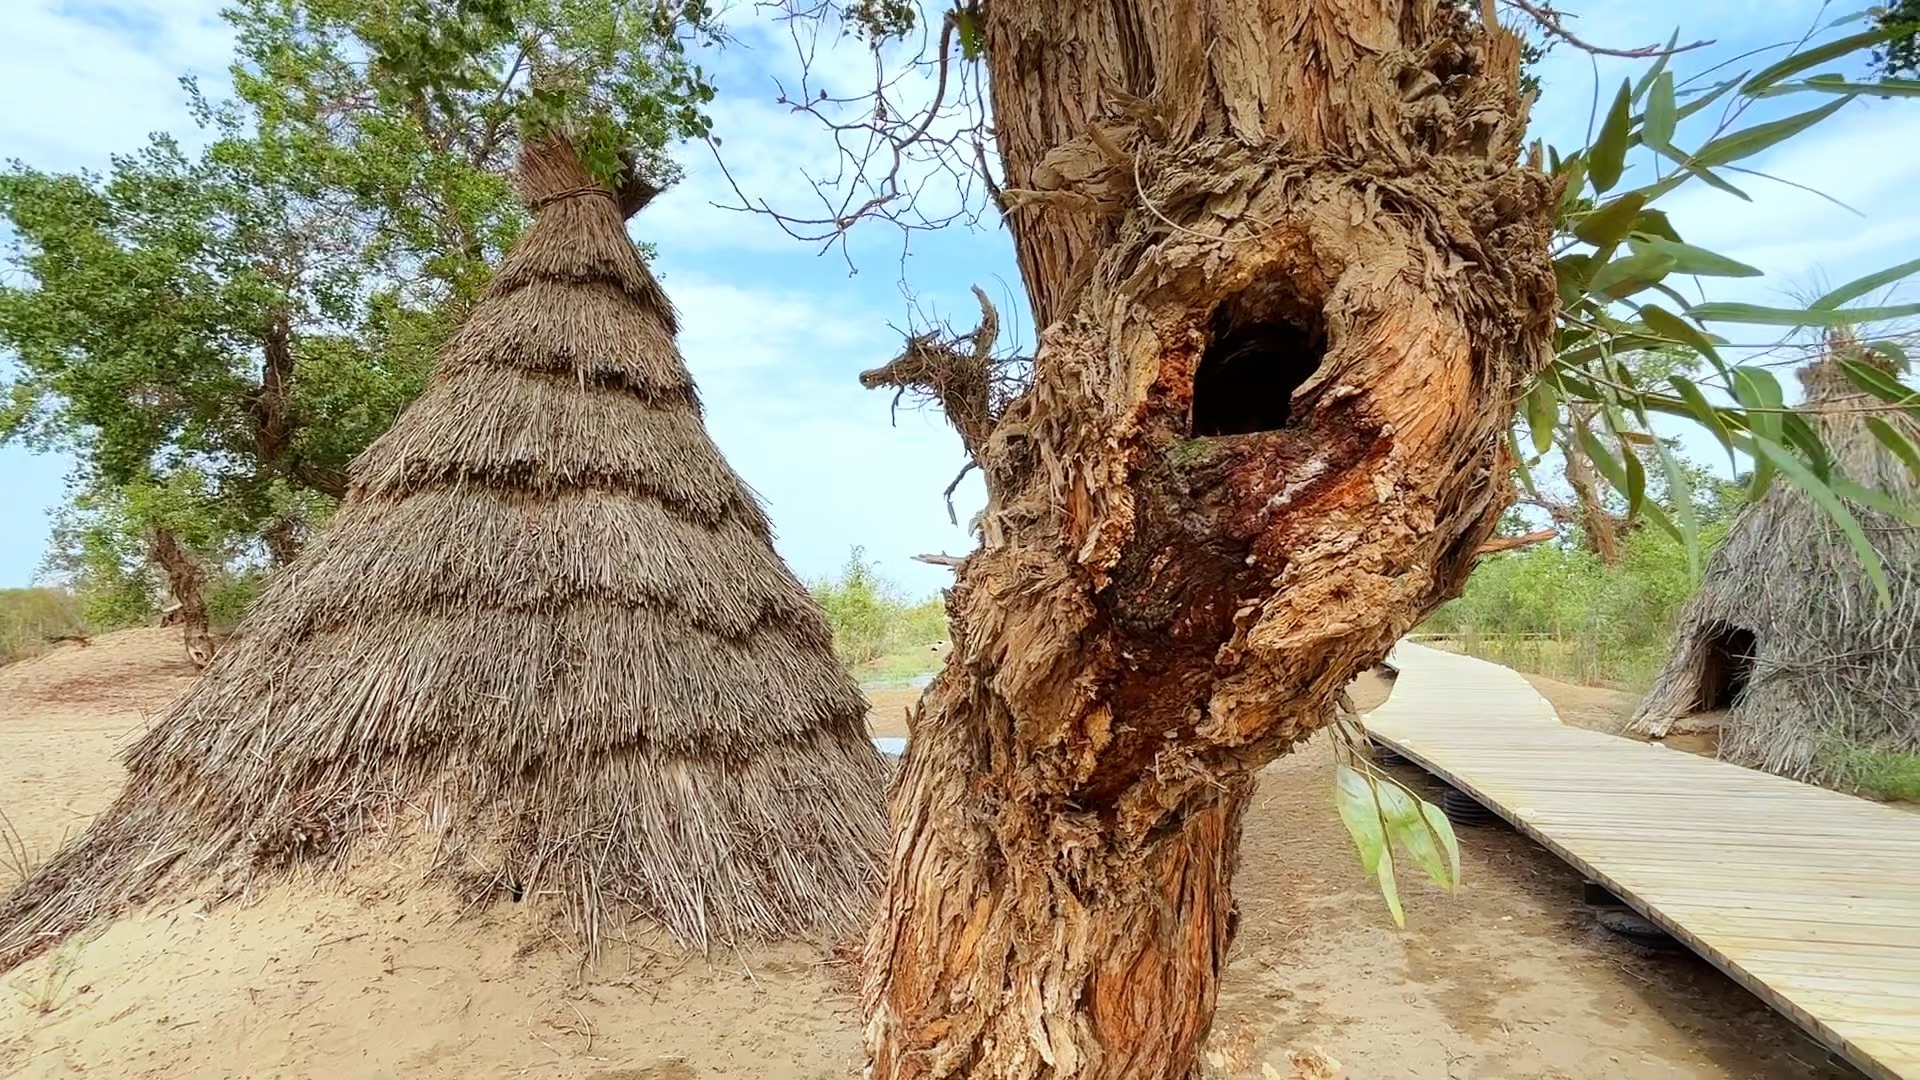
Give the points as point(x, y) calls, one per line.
point(1382, 814)
point(1619, 251)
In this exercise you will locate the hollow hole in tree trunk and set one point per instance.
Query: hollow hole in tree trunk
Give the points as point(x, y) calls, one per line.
point(1726, 668)
point(1266, 343)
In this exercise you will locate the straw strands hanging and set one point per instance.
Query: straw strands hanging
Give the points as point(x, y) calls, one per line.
point(546, 637)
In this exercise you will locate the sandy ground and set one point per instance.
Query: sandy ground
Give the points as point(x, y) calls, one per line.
point(1508, 979)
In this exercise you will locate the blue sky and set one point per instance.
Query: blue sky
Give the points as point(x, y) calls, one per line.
point(776, 333)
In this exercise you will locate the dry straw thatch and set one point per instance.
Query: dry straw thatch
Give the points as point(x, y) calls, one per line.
point(546, 637)
point(1787, 646)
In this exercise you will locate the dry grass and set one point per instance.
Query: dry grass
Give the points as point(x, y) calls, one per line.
point(18, 859)
point(546, 633)
point(1830, 665)
point(42, 993)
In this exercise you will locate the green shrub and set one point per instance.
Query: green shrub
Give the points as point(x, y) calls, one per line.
point(229, 596)
point(28, 617)
point(1555, 610)
point(875, 630)
point(1882, 774)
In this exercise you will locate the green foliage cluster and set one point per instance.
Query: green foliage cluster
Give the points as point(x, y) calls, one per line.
point(1555, 610)
point(215, 334)
point(28, 617)
point(1900, 55)
point(877, 632)
point(1619, 256)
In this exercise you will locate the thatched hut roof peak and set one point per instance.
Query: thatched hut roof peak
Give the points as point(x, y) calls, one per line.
point(550, 171)
point(549, 623)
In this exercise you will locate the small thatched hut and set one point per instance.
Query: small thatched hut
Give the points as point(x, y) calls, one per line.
point(1787, 648)
point(546, 642)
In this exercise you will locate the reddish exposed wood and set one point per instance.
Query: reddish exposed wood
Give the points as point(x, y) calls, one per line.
point(1509, 543)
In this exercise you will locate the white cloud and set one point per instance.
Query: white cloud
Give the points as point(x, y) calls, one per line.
point(88, 79)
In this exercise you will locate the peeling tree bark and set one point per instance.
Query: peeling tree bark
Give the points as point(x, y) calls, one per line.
point(1152, 617)
point(188, 609)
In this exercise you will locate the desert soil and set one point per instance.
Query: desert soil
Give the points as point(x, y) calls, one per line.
point(1507, 979)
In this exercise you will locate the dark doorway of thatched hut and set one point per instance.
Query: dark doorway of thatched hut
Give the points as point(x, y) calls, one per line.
point(1726, 666)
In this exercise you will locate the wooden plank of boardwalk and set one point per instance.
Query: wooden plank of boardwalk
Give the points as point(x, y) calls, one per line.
point(1807, 897)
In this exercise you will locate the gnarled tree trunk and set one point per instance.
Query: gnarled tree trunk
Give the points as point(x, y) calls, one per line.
point(1291, 273)
point(188, 607)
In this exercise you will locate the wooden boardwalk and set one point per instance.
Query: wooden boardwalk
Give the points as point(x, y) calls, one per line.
point(1807, 897)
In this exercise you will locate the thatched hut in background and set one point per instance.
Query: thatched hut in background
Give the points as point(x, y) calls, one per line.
point(1787, 649)
point(546, 640)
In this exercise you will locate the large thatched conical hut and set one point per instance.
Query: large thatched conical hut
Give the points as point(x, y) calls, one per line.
point(1786, 648)
point(546, 640)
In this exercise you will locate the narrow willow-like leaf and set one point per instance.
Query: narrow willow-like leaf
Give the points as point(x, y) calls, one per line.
point(1603, 460)
point(1576, 174)
point(1618, 343)
point(1760, 481)
point(1899, 445)
point(1859, 287)
point(1623, 277)
point(1390, 888)
point(1659, 68)
point(1652, 223)
point(1662, 114)
point(1819, 54)
point(1771, 316)
point(1759, 391)
point(1662, 520)
point(1800, 435)
point(1824, 497)
point(1714, 179)
point(1746, 142)
point(1688, 259)
point(1406, 825)
point(1882, 385)
point(1570, 273)
point(1607, 225)
point(1893, 351)
point(1839, 84)
point(1443, 835)
point(1707, 97)
point(1359, 809)
point(1680, 493)
point(1703, 411)
point(1636, 483)
point(1609, 153)
point(1354, 797)
point(1874, 500)
point(1520, 464)
point(1666, 323)
point(1543, 412)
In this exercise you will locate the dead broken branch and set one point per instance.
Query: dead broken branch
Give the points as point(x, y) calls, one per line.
point(1509, 543)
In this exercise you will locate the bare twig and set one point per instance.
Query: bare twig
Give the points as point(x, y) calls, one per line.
point(1549, 20)
point(885, 155)
point(955, 486)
